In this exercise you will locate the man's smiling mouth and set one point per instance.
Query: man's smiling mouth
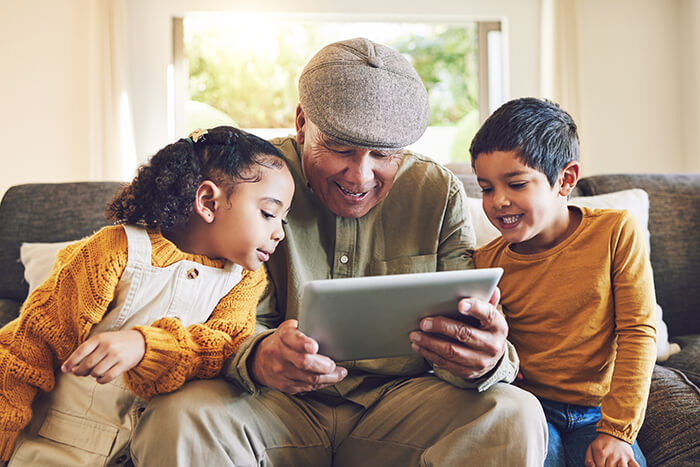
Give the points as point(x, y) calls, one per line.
point(351, 193)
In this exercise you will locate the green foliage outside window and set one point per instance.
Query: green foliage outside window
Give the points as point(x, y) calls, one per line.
point(253, 77)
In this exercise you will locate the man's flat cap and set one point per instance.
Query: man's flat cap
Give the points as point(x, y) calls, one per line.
point(364, 94)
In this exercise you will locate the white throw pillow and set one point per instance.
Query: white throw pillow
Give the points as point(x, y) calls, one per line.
point(38, 259)
point(635, 200)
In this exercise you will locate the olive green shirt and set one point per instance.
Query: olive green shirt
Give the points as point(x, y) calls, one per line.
point(421, 226)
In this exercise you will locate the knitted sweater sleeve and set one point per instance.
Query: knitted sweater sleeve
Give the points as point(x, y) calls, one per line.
point(175, 354)
point(53, 321)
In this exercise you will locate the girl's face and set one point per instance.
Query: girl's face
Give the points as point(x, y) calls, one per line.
point(520, 202)
point(249, 224)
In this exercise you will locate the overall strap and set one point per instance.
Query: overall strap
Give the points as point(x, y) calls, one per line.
point(139, 246)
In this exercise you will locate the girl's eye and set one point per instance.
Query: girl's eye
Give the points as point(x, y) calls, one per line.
point(486, 189)
point(284, 222)
point(518, 185)
point(267, 215)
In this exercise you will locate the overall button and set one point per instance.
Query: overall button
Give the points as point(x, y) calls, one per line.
point(344, 259)
point(192, 273)
point(120, 459)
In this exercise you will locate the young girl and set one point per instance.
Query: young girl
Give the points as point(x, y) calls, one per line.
point(139, 308)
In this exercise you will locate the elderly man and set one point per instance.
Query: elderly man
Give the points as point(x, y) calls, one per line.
point(363, 206)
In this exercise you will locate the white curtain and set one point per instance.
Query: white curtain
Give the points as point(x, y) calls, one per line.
point(560, 55)
point(112, 153)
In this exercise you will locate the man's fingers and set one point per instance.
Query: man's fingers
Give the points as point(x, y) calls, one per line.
point(463, 369)
point(495, 297)
point(485, 312)
point(310, 363)
point(468, 335)
point(295, 339)
point(447, 351)
point(297, 381)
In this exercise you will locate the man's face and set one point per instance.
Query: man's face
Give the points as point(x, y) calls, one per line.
point(348, 180)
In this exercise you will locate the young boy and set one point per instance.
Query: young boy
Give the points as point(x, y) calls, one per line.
point(577, 289)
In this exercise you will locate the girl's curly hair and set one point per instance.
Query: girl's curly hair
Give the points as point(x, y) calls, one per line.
point(163, 192)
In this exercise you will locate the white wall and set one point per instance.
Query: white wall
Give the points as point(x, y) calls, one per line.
point(630, 78)
point(690, 82)
point(43, 78)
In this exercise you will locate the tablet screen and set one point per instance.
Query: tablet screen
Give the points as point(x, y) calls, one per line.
point(371, 317)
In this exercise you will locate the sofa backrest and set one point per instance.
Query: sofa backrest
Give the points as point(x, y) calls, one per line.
point(674, 227)
point(46, 212)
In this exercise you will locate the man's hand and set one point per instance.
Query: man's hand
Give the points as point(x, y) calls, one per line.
point(107, 355)
point(288, 361)
point(607, 451)
point(466, 351)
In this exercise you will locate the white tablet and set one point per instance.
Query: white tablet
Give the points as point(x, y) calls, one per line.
point(371, 317)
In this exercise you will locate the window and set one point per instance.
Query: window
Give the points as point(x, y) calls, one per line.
point(242, 69)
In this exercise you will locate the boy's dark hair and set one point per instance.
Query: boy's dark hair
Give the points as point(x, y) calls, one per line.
point(163, 192)
point(543, 135)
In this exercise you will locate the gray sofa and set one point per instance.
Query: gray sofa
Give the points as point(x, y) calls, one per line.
point(670, 435)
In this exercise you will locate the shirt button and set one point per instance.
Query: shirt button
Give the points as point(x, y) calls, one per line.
point(344, 259)
point(120, 459)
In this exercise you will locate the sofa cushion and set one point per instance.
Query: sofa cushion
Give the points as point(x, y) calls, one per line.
point(688, 360)
point(9, 309)
point(674, 223)
point(46, 212)
point(670, 435)
point(38, 260)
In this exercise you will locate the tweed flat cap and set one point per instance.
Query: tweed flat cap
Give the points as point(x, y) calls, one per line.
point(364, 94)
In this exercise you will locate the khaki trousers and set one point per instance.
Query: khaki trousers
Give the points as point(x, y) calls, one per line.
point(422, 421)
point(81, 423)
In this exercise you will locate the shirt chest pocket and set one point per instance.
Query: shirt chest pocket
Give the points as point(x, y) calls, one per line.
point(403, 265)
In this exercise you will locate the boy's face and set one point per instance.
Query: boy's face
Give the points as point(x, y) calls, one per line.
point(520, 203)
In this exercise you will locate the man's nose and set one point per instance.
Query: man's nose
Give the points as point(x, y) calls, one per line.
point(360, 169)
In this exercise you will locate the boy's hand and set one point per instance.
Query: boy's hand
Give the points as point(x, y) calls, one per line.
point(107, 355)
point(608, 451)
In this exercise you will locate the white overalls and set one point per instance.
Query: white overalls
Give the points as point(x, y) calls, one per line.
point(82, 423)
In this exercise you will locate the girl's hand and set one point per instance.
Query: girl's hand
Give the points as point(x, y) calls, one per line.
point(107, 355)
point(608, 451)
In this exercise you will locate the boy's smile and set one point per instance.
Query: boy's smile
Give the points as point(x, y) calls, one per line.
point(519, 201)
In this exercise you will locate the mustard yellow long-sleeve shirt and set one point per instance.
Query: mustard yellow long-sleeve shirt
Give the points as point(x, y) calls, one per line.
point(581, 317)
point(57, 317)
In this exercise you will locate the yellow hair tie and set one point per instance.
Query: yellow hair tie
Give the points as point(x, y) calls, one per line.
point(197, 134)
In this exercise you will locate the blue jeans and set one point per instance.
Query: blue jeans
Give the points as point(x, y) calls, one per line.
point(571, 431)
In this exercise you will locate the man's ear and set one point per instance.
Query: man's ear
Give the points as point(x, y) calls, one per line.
point(207, 200)
point(300, 122)
point(569, 177)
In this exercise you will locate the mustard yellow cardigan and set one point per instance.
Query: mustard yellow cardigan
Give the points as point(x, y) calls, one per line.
point(57, 317)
